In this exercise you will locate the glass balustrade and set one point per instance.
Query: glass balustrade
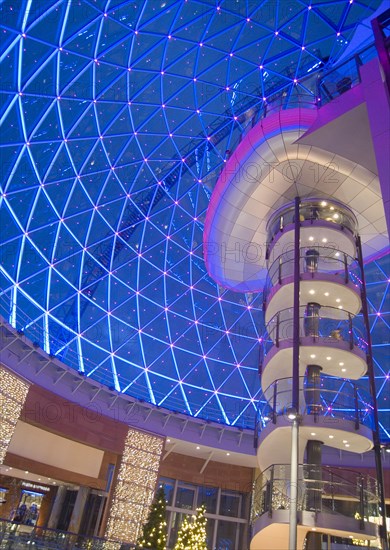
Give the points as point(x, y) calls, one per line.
point(320, 489)
point(326, 396)
point(323, 325)
point(312, 260)
point(345, 76)
point(42, 538)
point(312, 210)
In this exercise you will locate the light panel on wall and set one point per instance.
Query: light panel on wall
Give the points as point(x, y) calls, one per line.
point(13, 393)
point(135, 486)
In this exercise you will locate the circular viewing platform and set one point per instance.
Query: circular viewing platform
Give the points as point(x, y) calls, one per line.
point(319, 213)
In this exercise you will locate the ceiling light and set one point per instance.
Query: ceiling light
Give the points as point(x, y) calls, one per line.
point(338, 300)
point(337, 254)
point(328, 358)
point(324, 240)
point(341, 364)
point(197, 448)
point(168, 440)
point(312, 291)
point(332, 207)
point(313, 433)
point(331, 436)
point(343, 370)
point(336, 216)
point(324, 203)
point(345, 441)
point(227, 454)
point(347, 445)
point(326, 293)
point(313, 356)
point(311, 238)
point(340, 307)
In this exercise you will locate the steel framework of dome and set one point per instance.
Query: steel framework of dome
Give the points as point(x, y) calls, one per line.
point(117, 117)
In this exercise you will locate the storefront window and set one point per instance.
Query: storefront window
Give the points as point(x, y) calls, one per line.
point(169, 486)
point(3, 495)
point(28, 510)
point(210, 526)
point(222, 534)
point(93, 513)
point(209, 497)
point(227, 535)
point(176, 521)
point(230, 504)
point(185, 496)
point(67, 509)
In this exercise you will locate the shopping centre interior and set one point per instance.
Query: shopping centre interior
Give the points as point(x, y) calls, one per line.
point(195, 272)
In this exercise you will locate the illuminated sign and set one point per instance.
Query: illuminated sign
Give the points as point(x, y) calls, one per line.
point(28, 485)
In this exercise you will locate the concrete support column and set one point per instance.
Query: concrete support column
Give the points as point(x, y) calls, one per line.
point(57, 507)
point(79, 506)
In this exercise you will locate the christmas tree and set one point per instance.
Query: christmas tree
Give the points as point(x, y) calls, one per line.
point(154, 534)
point(192, 533)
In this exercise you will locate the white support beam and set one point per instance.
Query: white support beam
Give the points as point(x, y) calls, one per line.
point(184, 425)
point(206, 462)
point(166, 420)
point(96, 394)
point(169, 451)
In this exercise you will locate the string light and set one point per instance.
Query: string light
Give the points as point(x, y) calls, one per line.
point(134, 490)
point(13, 393)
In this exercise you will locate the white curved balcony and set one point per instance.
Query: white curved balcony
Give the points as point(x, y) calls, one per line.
point(331, 338)
point(343, 503)
point(327, 276)
point(333, 410)
point(322, 221)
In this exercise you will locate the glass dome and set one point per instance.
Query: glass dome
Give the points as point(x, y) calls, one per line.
point(117, 117)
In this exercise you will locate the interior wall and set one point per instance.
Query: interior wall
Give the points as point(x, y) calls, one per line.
point(217, 474)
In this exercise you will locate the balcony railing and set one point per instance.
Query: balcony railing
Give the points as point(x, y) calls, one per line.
point(345, 76)
point(312, 260)
point(324, 325)
point(320, 489)
point(325, 396)
point(13, 538)
point(312, 210)
point(35, 331)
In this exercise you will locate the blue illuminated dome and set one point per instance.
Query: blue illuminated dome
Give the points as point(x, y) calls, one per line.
point(117, 118)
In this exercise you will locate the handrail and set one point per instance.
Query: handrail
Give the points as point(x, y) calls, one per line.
point(313, 260)
point(25, 327)
point(344, 76)
point(328, 325)
point(320, 489)
point(45, 537)
point(334, 470)
point(312, 210)
point(325, 396)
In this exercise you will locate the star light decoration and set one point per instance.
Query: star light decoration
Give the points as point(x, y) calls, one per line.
point(116, 121)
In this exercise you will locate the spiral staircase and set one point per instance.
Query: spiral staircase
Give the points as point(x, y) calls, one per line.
point(334, 409)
